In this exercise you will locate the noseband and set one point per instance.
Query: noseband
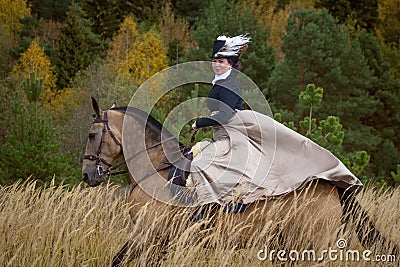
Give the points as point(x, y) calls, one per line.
point(101, 170)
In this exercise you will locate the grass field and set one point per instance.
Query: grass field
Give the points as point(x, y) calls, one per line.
point(83, 226)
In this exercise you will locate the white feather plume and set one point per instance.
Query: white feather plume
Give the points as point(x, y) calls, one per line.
point(233, 45)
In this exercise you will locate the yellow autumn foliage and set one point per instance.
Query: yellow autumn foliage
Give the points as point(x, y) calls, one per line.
point(64, 102)
point(147, 58)
point(33, 59)
point(10, 13)
point(173, 28)
point(276, 20)
point(123, 42)
point(389, 14)
point(135, 55)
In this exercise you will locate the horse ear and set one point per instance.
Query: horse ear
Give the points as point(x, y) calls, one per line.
point(113, 105)
point(96, 109)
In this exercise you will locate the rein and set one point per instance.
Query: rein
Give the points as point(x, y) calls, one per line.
point(101, 170)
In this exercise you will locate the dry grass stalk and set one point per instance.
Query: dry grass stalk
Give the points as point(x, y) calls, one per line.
point(86, 227)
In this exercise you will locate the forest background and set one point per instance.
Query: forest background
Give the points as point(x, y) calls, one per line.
point(329, 69)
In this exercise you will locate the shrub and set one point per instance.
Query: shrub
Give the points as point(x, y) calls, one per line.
point(30, 148)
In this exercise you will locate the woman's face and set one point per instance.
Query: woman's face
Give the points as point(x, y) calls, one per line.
point(220, 65)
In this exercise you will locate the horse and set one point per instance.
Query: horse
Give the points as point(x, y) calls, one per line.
point(319, 207)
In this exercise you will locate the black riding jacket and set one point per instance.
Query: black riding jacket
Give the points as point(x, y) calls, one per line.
point(224, 97)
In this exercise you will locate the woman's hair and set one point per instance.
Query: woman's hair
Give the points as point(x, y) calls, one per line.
point(235, 63)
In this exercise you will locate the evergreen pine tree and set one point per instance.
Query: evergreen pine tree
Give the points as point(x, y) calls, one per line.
point(78, 46)
point(386, 118)
point(385, 160)
point(30, 149)
point(50, 9)
point(26, 35)
point(189, 10)
point(105, 16)
point(362, 14)
point(317, 51)
point(45, 32)
point(312, 46)
point(144, 10)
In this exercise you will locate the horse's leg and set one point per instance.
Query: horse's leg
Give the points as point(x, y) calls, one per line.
point(121, 256)
point(144, 212)
point(124, 255)
point(365, 229)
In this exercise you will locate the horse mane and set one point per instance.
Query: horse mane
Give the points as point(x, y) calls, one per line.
point(153, 126)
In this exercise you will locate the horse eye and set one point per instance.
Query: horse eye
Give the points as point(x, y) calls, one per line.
point(92, 135)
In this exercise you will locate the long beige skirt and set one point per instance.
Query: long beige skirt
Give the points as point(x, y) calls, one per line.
point(254, 157)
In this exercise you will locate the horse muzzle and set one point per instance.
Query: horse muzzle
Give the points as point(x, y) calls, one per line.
point(95, 177)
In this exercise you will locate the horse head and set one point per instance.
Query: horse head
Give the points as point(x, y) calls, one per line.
point(103, 145)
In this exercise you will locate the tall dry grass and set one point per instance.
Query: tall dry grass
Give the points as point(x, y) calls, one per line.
point(60, 227)
point(86, 227)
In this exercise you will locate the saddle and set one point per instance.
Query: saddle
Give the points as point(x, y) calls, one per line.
point(178, 176)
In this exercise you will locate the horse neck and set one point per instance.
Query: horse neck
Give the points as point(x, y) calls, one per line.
point(135, 129)
point(157, 155)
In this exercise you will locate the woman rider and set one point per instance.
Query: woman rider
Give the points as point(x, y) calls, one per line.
point(252, 156)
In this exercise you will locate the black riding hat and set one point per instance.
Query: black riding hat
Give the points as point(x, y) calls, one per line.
point(230, 47)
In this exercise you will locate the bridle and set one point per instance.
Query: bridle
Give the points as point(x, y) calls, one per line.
point(102, 171)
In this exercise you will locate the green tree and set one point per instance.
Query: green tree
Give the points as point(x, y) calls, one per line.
point(326, 132)
point(45, 32)
point(189, 10)
point(30, 149)
point(105, 16)
point(396, 175)
point(385, 160)
point(144, 10)
point(78, 46)
point(311, 97)
point(33, 86)
point(386, 89)
point(360, 14)
point(317, 51)
point(55, 10)
point(26, 35)
point(224, 17)
point(391, 98)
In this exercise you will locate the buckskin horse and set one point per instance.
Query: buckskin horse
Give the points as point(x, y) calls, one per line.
point(319, 207)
